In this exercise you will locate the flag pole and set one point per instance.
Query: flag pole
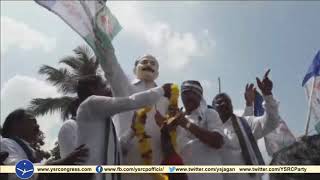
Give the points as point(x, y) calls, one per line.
point(219, 84)
point(309, 107)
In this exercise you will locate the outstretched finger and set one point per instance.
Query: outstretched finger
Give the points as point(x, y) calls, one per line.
point(247, 85)
point(259, 83)
point(251, 86)
point(266, 74)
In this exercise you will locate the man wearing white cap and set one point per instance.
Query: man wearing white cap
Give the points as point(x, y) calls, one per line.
point(199, 135)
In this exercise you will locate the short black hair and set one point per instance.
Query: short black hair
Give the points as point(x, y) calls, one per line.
point(84, 84)
point(223, 94)
point(11, 120)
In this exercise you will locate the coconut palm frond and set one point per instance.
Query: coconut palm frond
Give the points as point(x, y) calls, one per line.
point(43, 106)
point(62, 78)
point(83, 53)
point(89, 68)
point(84, 63)
point(73, 62)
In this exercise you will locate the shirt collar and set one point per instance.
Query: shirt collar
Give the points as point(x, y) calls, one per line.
point(197, 113)
point(139, 81)
point(27, 143)
point(228, 121)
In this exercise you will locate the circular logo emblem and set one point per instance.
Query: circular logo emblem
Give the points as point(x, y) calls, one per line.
point(24, 169)
point(99, 169)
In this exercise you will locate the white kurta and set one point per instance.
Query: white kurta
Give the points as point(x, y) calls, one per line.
point(92, 116)
point(16, 154)
point(121, 86)
point(195, 152)
point(260, 126)
point(67, 137)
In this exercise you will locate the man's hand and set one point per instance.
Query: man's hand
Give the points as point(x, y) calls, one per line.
point(249, 94)
point(102, 49)
point(179, 119)
point(3, 157)
point(103, 53)
point(167, 90)
point(266, 84)
point(159, 119)
point(76, 157)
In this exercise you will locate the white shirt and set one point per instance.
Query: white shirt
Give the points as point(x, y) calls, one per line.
point(67, 137)
point(121, 86)
point(92, 116)
point(260, 126)
point(195, 152)
point(16, 153)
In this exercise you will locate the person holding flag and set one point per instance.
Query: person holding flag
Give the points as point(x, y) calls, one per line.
point(146, 70)
point(94, 22)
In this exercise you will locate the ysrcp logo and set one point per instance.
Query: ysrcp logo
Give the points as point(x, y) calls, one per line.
point(24, 169)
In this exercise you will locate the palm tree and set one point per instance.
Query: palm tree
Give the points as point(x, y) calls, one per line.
point(55, 152)
point(81, 64)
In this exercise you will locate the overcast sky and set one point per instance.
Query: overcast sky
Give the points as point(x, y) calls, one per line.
point(192, 40)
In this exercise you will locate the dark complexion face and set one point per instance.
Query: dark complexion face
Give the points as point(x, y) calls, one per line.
point(101, 90)
point(28, 128)
point(191, 100)
point(223, 105)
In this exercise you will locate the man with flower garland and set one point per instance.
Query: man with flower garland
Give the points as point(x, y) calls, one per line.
point(199, 136)
point(146, 71)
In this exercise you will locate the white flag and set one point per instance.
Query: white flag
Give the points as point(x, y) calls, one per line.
point(279, 138)
point(86, 17)
point(311, 82)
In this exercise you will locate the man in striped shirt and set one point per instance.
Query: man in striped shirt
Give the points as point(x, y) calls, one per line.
point(95, 127)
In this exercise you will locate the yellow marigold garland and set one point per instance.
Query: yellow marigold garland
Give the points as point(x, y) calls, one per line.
point(173, 106)
point(144, 140)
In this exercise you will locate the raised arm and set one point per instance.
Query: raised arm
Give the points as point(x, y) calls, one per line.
point(67, 137)
point(249, 96)
point(261, 126)
point(108, 106)
point(119, 82)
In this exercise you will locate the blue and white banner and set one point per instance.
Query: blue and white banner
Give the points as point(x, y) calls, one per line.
point(279, 138)
point(311, 83)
